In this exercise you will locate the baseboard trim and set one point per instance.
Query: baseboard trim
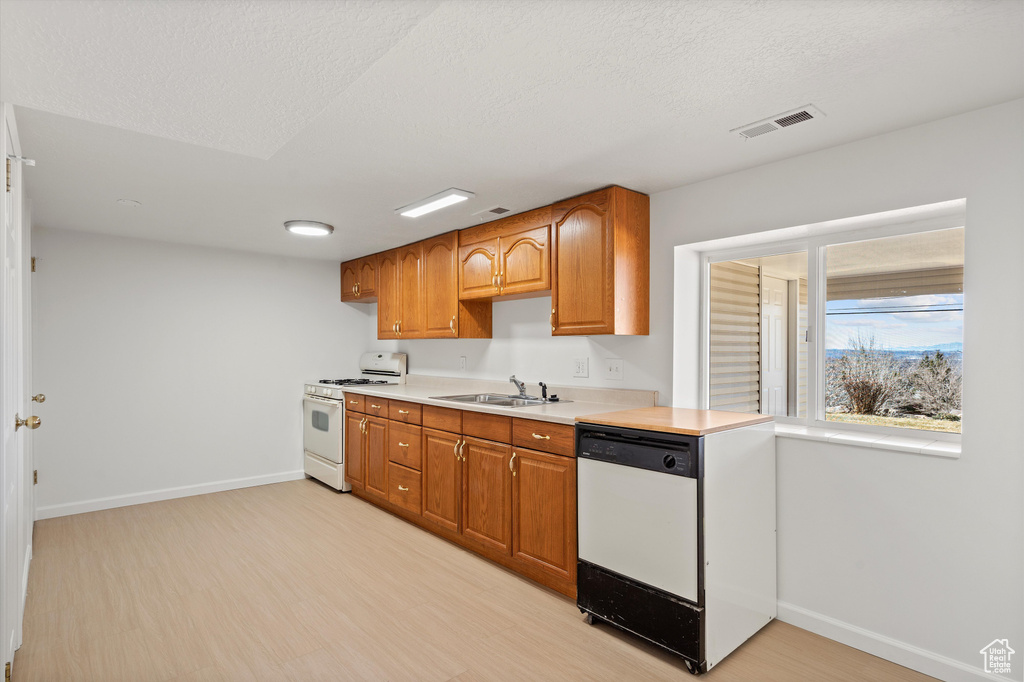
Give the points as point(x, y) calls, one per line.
point(101, 503)
point(901, 653)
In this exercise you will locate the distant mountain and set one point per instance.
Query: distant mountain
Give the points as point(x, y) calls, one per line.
point(944, 347)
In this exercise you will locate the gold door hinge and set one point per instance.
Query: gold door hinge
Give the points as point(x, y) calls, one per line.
point(33, 263)
point(7, 667)
point(35, 476)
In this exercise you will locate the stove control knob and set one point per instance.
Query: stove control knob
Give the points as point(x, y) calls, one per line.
point(329, 392)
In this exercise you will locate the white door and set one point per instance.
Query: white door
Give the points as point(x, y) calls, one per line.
point(13, 539)
point(774, 345)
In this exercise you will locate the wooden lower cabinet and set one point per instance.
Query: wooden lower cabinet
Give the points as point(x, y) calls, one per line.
point(544, 512)
point(376, 456)
point(404, 488)
point(513, 505)
point(487, 494)
point(442, 478)
point(355, 450)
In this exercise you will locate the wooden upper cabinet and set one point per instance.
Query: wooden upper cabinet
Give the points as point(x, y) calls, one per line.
point(349, 277)
point(410, 287)
point(441, 286)
point(601, 277)
point(359, 280)
point(366, 285)
point(387, 295)
point(506, 257)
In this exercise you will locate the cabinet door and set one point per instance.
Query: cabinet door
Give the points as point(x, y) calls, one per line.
point(377, 456)
point(355, 452)
point(442, 478)
point(525, 255)
point(478, 269)
point(367, 281)
point(487, 494)
point(410, 287)
point(387, 295)
point(544, 511)
point(441, 286)
point(349, 277)
point(583, 291)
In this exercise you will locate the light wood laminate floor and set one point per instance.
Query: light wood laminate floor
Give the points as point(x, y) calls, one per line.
point(295, 582)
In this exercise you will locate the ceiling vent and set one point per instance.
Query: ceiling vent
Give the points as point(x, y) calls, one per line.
point(491, 213)
point(778, 122)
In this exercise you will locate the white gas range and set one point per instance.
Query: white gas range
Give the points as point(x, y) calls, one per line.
point(323, 408)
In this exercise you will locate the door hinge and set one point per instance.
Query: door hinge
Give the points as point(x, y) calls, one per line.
point(33, 263)
point(7, 667)
point(8, 175)
point(35, 476)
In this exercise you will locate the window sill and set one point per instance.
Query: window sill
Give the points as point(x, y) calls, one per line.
point(917, 445)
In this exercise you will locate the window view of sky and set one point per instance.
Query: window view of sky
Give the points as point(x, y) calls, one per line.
point(905, 323)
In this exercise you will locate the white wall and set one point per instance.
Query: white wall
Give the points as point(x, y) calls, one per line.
point(886, 550)
point(168, 366)
point(917, 559)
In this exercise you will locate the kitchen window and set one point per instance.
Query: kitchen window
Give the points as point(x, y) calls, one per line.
point(856, 329)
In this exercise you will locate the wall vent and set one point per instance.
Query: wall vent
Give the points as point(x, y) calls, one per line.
point(491, 213)
point(779, 121)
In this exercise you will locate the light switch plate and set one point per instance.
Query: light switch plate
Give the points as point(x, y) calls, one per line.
point(614, 369)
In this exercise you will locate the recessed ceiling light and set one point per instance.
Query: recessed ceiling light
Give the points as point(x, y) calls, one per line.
point(129, 202)
point(309, 228)
point(433, 203)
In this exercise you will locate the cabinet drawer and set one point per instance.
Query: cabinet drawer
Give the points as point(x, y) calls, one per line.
point(404, 488)
point(442, 419)
point(355, 402)
point(558, 439)
point(404, 444)
point(375, 406)
point(410, 413)
point(491, 427)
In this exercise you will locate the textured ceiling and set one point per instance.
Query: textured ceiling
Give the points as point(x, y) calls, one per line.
point(521, 102)
point(235, 75)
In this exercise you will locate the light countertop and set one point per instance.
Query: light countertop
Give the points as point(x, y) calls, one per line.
point(675, 420)
point(560, 412)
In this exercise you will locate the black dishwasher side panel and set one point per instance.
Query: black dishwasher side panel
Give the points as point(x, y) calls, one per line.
point(647, 612)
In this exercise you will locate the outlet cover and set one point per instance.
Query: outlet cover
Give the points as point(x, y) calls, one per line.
point(462, 362)
point(581, 368)
point(614, 369)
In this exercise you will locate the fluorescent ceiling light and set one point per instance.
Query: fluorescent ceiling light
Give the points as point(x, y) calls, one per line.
point(445, 198)
point(309, 228)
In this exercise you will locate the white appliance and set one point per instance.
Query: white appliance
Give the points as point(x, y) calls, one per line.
point(677, 536)
point(323, 415)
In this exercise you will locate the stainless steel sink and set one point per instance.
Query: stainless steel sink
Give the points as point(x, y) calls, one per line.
point(496, 399)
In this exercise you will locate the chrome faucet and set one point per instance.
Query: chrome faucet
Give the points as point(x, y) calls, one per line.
point(520, 385)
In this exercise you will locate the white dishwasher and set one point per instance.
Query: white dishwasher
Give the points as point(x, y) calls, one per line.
point(677, 536)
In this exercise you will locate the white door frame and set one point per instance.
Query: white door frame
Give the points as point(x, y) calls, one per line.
point(15, 515)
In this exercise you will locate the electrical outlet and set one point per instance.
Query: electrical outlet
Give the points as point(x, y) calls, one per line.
point(462, 362)
point(581, 367)
point(614, 369)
